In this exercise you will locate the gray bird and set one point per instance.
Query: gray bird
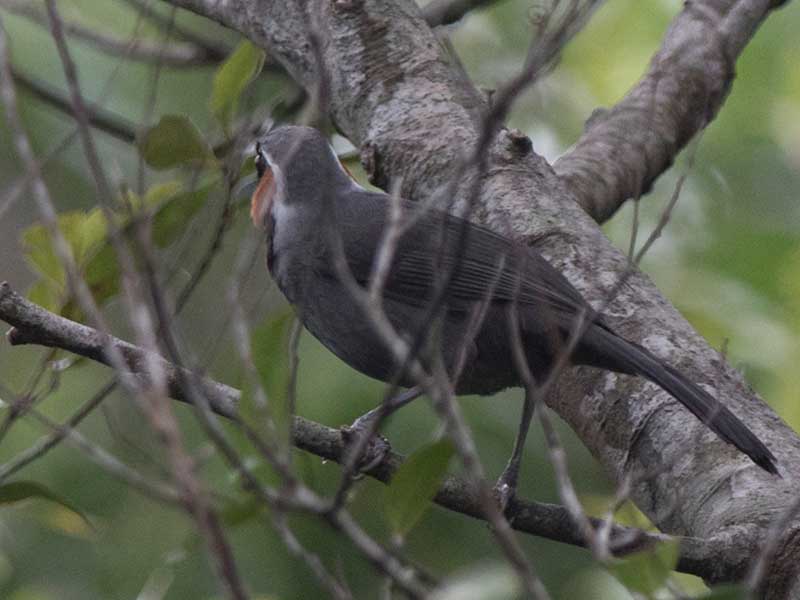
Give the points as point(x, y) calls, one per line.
point(310, 206)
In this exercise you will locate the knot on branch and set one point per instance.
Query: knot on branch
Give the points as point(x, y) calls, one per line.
point(519, 143)
point(371, 161)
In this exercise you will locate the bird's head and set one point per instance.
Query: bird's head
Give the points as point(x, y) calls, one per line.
point(295, 166)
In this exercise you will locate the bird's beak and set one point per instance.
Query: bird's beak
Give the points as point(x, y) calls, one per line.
point(262, 198)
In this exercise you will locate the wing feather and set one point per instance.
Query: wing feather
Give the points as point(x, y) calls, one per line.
point(433, 246)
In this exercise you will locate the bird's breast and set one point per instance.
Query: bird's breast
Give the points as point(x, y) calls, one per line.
point(291, 249)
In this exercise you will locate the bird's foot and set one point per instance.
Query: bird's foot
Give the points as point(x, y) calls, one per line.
point(504, 494)
point(505, 488)
point(370, 452)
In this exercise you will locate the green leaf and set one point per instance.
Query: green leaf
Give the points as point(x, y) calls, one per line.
point(88, 237)
point(92, 231)
point(270, 348)
point(172, 142)
point(173, 213)
point(171, 210)
point(646, 572)
point(41, 255)
point(240, 512)
point(160, 193)
point(414, 485)
point(232, 78)
point(493, 582)
point(728, 592)
point(18, 491)
point(47, 295)
point(233, 513)
point(84, 234)
point(40, 251)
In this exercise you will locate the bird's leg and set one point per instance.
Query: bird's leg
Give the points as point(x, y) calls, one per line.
point(506, 486)
point(366, 448)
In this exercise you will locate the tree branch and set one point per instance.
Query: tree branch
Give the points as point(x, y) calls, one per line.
point(99, 117)
point(32, 324)
point(623, 150)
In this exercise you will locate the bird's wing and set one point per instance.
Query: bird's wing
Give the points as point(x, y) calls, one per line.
point(477, 261)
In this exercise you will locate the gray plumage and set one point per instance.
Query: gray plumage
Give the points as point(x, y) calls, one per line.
point(316, 202)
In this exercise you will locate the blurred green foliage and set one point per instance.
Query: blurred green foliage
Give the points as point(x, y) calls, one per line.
point(730, 260)
point(408, 496)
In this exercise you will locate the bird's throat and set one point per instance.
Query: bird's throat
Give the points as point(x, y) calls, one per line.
point(262, 199)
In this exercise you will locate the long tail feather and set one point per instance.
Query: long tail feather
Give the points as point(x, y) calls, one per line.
point(627, 357)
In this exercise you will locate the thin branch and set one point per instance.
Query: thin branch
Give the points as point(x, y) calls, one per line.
point(536, 393)
point(156, 490)
point(667, 212)
point(164, 422)
point(101, 118)
point(46, 207)
point(46, 443)
point(79, 107)
point(333, 584)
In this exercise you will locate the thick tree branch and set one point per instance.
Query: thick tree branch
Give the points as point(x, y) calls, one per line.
point(623, 150)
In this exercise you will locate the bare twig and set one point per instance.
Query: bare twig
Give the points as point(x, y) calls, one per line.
point(166, 425)
point(113, 123)
point(46, 443)
point(667, 212)
point(76, 281)
point(333, 584)
point(156, 490)
point(401, 574)
point(99, 117)
point(79, 106)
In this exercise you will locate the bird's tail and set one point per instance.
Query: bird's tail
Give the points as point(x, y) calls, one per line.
point(626, 357)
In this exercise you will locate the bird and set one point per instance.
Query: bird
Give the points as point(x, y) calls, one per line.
point(315, 213)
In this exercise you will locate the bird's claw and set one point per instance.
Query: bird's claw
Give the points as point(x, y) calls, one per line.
point(373, 453)
point(505, 489)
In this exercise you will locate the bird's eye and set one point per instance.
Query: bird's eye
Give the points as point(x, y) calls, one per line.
point(261, 161)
